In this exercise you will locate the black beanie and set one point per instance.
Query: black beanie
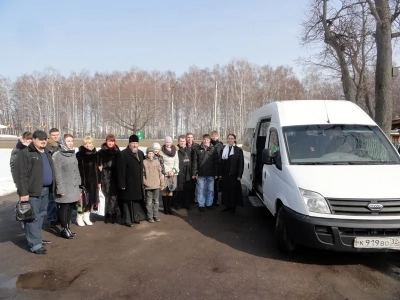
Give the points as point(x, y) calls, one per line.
point(133, 138)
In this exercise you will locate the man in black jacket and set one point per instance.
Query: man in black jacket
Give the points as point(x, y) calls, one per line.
point(219, 146)
point(52, 146)
point(34, 175)
point(22, 143)
point(205, 170)
point(191, 145)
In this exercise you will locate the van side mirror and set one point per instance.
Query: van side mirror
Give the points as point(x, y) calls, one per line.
point(267, 157)
point(270, 157)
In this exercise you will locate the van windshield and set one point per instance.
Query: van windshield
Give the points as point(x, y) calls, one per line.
point(338, 144)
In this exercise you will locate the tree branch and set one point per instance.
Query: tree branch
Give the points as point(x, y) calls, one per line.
point(374, 12)
point(395, 35)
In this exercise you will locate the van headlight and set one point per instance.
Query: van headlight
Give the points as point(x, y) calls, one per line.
point(315, 202)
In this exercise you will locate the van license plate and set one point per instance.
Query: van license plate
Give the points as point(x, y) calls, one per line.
point(377, 243)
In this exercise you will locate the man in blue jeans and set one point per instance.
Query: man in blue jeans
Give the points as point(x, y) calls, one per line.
point(205, 170)
point(34, 174)
point(53, 143)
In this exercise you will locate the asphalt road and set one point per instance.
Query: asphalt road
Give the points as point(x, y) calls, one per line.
point(189, 255)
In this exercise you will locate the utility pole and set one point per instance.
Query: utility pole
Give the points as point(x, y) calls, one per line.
point(215, 125)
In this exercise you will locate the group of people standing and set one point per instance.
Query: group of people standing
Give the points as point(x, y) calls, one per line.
point(56, 180)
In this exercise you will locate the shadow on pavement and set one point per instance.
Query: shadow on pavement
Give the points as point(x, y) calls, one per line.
point(251, 230)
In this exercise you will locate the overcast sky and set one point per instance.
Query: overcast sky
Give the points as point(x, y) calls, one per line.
point(106, 36)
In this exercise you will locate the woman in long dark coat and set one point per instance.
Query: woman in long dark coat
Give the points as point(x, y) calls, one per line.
point(130, 181)
point(109, 177)
point(232, 165)
point(182, 197)
point(90, 179)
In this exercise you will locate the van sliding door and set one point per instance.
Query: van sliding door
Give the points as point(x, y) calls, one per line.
point(259, 145)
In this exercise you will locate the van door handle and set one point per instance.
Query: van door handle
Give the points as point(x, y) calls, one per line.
point(248, 165)
point(265, 175)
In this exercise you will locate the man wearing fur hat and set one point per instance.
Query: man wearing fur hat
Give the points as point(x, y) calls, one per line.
point(130, 181)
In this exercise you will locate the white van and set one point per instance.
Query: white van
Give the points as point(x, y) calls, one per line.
point(327, 172)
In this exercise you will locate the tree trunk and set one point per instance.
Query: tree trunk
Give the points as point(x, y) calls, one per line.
point(383, 76)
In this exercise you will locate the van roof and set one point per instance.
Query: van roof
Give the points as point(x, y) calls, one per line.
point(303, 112)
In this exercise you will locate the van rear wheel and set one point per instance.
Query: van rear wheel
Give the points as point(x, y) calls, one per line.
point(283, 241)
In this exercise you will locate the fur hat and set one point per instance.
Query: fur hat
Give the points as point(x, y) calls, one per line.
point(133, 138)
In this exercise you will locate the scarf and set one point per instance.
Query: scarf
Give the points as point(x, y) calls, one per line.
point(226, 153)
point(170, 153)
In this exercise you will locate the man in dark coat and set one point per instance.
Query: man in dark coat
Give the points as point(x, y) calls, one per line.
point(183, 190)
point(34, 177)
point(205, 170)
point(22, 143)
point(53, 143)
point(219, 146)
point(191, 146)
point(232, 166)
point(130, 181)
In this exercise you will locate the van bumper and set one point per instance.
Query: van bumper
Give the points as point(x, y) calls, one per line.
point(337, 234)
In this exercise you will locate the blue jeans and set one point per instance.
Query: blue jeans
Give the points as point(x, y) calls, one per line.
point(33, 230)
point(205, 190)
point(51, 209)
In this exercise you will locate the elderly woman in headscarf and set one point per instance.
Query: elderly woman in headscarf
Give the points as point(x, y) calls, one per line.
point(67, 181)
point(171, 164)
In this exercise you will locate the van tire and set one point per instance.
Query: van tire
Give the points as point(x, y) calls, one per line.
point(284, 243)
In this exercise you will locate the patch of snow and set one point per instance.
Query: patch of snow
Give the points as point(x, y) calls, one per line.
point(8, 136)
point(7, 185)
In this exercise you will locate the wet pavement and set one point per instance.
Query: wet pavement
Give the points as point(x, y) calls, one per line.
point(190, 255)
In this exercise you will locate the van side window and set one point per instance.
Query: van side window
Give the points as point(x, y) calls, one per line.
point(273, 142)
point(247, 136)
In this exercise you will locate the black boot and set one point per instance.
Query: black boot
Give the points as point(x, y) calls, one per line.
point(65, 234)
point(169, 204)
point(107, 218)
point(114, 218)
point(164, 201)
point(70, 232)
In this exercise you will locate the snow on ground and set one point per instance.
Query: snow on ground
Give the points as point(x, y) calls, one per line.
point(7, 136)
point(7, 185)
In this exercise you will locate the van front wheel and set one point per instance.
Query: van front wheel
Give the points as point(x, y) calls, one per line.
point(284, 242)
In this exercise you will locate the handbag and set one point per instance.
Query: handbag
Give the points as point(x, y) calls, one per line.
point(24, 212)
point(99, 209)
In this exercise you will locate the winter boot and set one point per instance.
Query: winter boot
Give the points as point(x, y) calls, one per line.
point(70, 232)
point(107, 218)
point(79, 219)
point(164, 201)
point(86, 218)
point(169, 204)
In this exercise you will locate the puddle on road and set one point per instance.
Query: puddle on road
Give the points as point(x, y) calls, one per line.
point(42, 280)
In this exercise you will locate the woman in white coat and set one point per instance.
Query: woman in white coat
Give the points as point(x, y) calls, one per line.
point(171, 164)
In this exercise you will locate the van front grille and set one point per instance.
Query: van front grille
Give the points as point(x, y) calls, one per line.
point(359, 207)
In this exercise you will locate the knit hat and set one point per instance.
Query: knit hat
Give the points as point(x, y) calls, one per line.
point(156, 146)
point(133, 138)
point(149, 149)
point(39, 134)
point(168, 139)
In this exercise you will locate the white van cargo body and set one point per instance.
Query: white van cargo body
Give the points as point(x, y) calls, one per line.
point(327, 172)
